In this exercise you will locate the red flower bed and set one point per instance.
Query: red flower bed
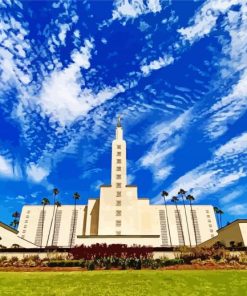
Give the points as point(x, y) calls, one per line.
point(96, 251)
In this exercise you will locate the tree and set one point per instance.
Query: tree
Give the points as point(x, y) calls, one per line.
point(216, 211)
point(175, 200)
point(45, 201)
point(164, 195)
point(57, 204)
point(182, 193)
point(76, 197)
point(16, 215)
point(220, 212)
point(55, 193)
point(191, 198)
point(14, 223)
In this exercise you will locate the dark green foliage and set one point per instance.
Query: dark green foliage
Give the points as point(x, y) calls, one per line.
point(66, 263)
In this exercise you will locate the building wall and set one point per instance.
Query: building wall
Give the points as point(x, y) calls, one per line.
point(9, 238)
point(236, 232)
point(243, 229)
point(30, 227)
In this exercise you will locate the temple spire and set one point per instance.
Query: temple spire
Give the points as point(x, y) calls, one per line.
point(119, 121)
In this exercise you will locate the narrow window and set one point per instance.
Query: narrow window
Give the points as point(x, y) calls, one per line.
point(118, 193)
point(118, 203)
point(118, 185)
point(118, 146)
point(118, 213)
point(118, 177)
point(118, 168)
point(118, 223)
point(118, 153)
point(118, 160)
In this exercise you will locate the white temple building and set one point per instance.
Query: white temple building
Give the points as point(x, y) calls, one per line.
point(118, 216)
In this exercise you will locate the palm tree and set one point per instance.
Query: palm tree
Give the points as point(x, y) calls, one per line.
point(15, 222)
point(57, 204)
point(55, 193)
point(182, 194)
point(164, 194)
point(45, 201)
point(191, 198)
point(220, 212)
point(76, 196)
point(216, 211)
point(175, 200)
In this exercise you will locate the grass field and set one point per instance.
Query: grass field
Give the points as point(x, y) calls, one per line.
point(126, 283)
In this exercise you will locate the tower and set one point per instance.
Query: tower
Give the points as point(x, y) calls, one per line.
point(118, 166)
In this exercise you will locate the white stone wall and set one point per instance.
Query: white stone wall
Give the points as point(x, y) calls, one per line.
point(8, 238)
point(31, 223)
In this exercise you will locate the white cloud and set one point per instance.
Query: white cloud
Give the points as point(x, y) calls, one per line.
point(131, 9)
point(157, 64)
point(8, 169)
point(205, 19)
point(238, 209)
point(227, 166)
point(231, 196)
point(134, 8)
point(36, 173)
point(64, 28)
point(167, 137)
point(62, 97)
point(130, 178)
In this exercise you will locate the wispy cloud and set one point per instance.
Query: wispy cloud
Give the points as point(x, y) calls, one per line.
point(8, 169)
point(157, 64)
point(166, 138)
point(125, 9)
point(205, 19)
point(227, 166)
point(237, 209)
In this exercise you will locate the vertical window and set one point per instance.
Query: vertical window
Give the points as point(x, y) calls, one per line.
point(118, 153)
point(118, 203)
point(118, 160)
point(118, 193)
point(118, 146)
point(118, 213)
point(118, 185)
point(118, 168)
point(118, 223)
point(118, 177)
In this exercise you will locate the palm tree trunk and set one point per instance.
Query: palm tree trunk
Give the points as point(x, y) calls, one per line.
point(73, 228)
point(192, 215)
point(52, 241)
point(217, 219)
point(186, 219)
point(180, 222)
point(42, 227)
point(167, 221)
point(50, 226)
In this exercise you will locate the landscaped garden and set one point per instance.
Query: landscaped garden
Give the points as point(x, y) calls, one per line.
point(127, 282)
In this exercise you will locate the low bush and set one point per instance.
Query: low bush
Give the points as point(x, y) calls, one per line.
point(65, 263)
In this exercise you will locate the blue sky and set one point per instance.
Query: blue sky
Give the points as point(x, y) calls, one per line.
point(175, 70)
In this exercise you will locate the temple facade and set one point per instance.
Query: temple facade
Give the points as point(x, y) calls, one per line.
point(118, 216)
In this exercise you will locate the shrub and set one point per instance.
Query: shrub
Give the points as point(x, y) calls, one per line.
point(66, 263)
point(90, 265)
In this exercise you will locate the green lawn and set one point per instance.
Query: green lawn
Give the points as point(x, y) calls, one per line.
point(126, 283)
